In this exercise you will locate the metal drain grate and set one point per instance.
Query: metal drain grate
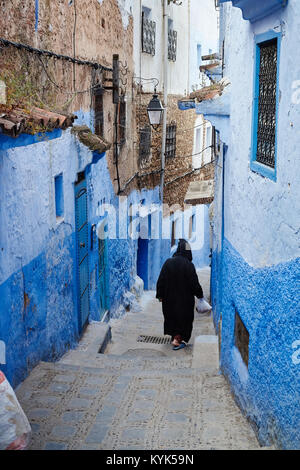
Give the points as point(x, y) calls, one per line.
point(154, 339)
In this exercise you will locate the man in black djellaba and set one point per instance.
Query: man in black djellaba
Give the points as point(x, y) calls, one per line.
point(176, 288)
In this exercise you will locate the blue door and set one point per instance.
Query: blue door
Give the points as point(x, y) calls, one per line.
point(82, 252)
point(142, 261)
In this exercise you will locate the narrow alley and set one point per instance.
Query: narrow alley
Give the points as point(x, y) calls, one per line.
point(143, 143)
point(136, 395)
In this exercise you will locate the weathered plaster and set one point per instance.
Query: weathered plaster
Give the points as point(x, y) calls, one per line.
point(267, 302)
point(255, 264)
point(38, 283)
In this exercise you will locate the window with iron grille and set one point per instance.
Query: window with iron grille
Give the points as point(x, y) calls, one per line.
point(99, 114)
point(265, 104)
point(122, 121)
point(171, 140)
point(265, 152)
point(145, 143)
point(172, 44)
point(148, 35)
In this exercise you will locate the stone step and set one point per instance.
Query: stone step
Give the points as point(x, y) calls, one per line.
point(80, 407)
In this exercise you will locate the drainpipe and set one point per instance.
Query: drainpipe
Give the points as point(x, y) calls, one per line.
point(189, 46)
point(222, 270)
point(140, 35)
point(165, 97)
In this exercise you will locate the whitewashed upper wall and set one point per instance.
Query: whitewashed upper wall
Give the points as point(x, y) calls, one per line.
point(203, 32)
point(262, 217)
point(148, 66)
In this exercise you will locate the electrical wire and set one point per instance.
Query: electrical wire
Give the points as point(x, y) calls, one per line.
point(177, 132)
point(138, 175)
point(158, 171)
point(7, 43)
point(194, 154)
point(61, 88)
point(189, 173)
point(34, 50)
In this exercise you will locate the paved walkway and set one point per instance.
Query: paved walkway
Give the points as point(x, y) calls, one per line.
point(136, 395)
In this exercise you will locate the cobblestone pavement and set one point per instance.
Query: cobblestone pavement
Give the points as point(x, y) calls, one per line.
point(135, 396)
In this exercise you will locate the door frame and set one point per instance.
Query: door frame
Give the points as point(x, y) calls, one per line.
point(81, 325)
point(101, 230)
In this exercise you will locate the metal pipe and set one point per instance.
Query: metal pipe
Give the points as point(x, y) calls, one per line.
point(116, 148)
point(189, 47)
point(165, 96)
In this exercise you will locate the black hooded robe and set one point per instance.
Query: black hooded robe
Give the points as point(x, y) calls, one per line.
point(177, 286)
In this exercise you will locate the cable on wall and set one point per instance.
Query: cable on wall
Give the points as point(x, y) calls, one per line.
point(45, 52)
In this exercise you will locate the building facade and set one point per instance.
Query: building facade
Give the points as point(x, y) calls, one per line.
point(187, 152)
point(80, 176)
point(55, 273)
point(255, 269)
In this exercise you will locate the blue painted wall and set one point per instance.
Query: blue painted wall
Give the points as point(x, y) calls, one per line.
point(37, 315)
point(267, 300)
point(38, 270)
point(255, 264)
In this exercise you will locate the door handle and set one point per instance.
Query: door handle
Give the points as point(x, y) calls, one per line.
point(82, 245)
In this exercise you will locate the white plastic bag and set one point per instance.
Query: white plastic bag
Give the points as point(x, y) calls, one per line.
point(15, 429)
point(203, 306)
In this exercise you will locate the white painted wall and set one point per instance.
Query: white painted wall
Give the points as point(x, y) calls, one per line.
point(204, 33)
point(148, 66)
point(262, 217)
point(204, 39)
point(202, 140)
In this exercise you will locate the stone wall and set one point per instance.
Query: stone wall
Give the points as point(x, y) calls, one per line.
point(89, 30)
point(177, 166)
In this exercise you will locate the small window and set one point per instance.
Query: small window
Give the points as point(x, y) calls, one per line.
point(122, 121)
point(148, 32)
point(265, 105)
point(265, 152)
point(171, 141)
point(99, 114)
point(172, 41)
point(59, 196)
point(145, 143)
point(241, 338)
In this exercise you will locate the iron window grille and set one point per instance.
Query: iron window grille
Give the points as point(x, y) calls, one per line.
point(266, 125)
point(145, 143)
point(171, 140)
point(172, 45)
point(148, 35)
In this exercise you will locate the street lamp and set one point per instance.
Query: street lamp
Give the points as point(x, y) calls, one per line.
point(155, 111)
